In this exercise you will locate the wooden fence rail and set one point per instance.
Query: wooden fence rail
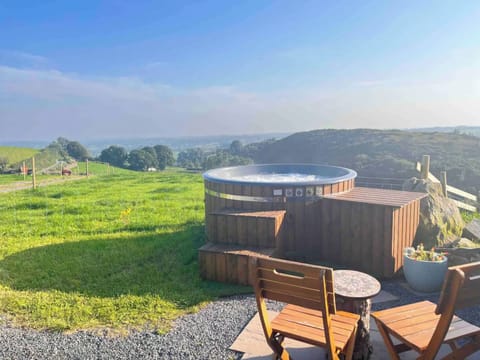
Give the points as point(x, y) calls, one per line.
point(459, 196)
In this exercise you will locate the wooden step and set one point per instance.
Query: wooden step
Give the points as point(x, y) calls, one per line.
point(246, 228)
point(229, 263)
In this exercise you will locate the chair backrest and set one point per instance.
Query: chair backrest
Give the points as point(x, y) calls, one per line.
point(461, 288)
point(295, 283)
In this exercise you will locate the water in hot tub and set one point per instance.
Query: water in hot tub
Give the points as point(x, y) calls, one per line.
point(279, 178)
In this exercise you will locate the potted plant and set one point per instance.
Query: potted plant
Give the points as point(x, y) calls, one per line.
point(424, 269)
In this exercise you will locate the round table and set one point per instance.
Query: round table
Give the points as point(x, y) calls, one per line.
point(353, 293)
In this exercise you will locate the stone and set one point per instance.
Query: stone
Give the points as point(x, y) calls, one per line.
point(440, 219)
point(472, 230)
point(466, 252)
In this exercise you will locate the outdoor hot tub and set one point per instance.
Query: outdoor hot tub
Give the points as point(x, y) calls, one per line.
point(264, 187)
point(304, 212)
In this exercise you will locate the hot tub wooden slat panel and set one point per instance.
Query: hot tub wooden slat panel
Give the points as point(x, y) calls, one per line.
point(388, 237)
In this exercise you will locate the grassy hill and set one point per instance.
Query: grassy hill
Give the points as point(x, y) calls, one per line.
point(383, 153)
point(16, 154)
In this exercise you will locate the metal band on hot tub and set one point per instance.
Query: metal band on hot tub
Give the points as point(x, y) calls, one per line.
point(239, 197)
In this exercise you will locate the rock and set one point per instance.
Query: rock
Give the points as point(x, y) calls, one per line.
point(440, 219)
point(462, 255)
point(472, 230)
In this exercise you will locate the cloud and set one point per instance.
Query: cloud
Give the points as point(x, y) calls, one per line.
point(20, 59)
point(45, 104)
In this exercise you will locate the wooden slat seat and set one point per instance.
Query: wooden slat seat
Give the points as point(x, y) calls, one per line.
point(424, 326)
point(310, 314)
point(416, 323)
point(306, 325)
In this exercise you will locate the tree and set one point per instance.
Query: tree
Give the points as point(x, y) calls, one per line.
point(77, 151)
point(191, 158)
point(141, 160)
point(236, 147)
point(164, 156)
point(153, 154)
point(114, 155)
point(223, 158)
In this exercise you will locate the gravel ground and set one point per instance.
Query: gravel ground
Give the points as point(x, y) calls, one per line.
point(204, 335)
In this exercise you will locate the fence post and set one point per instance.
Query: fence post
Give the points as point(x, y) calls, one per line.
point(34, 180)
point(443, 181)
point(425, 167)
point(24, 171)
point(86, 168)
point(478, 201)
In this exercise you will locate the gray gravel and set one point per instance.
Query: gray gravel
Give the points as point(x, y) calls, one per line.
point(204, 335)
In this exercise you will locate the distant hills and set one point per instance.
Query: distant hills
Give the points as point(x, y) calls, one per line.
point(383, 153)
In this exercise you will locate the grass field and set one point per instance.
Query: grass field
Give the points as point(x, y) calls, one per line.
point(15, 154)
point(113, 252)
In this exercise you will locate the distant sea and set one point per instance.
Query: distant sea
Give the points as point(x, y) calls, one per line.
point(177, 144)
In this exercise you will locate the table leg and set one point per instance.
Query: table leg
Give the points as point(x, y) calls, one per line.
point(363, 347)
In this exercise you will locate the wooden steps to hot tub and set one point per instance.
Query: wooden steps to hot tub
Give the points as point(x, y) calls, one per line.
point(234, 236)
point(249, 228)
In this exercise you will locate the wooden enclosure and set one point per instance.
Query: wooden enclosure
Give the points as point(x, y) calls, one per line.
point(359, 228)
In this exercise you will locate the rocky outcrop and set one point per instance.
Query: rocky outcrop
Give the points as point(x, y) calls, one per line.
point(472, 230)
point(440, 219)
point(462, 251)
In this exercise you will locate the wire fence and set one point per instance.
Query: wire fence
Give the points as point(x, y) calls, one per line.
point(380, 183)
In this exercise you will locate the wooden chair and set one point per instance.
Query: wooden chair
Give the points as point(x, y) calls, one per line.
point(310, 314)
point(424, 326)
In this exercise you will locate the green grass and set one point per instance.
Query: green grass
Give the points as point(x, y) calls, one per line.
point(115, 252)
point(468, 216)
point(16, 154)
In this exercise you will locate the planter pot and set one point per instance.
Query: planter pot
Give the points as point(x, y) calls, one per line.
point(424, 276)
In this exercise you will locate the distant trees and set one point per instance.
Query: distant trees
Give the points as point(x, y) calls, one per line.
point(164, 156)
point(114, 155)
point(158, 157)
point(191, 158)
point(77, 151)
point(141, 160)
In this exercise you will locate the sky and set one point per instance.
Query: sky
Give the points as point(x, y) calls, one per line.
point(109, 69)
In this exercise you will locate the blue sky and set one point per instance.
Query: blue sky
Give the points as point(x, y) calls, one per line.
point(94, 69)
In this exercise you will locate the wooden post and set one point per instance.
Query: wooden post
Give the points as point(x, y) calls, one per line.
point(478, 201)
point(34, 180)
point(108, 169)
point(61, 169)
point(24, 171)
point(443, 181)
point(86, 171)
point(425, 166)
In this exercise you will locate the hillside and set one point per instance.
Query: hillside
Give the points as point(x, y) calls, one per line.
point(383, 153)
point(15, 154)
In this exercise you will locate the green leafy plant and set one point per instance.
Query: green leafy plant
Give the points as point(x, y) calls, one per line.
point(424, 255)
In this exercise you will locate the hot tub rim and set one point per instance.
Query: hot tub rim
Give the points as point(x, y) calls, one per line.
point(350, 174)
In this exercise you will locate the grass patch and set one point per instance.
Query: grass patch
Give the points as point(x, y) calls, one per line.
point(468, 216)
point(16, 154)
point(111, 252)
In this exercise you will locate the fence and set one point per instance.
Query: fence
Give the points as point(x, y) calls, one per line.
point(462, 199)
point(380, 183)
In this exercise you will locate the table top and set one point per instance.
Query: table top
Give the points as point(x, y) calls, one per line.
point(355, 284)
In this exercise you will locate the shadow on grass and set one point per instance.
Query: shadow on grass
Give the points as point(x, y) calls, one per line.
point(160, 265)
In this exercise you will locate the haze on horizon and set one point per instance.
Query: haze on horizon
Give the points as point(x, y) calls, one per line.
point(158, 69)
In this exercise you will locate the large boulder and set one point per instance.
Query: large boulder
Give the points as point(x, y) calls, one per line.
point(440, 219)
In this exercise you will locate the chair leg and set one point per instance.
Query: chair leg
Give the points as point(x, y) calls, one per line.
point(279, 352)
point(387, 340)
point(465, 350)
point(351, 345)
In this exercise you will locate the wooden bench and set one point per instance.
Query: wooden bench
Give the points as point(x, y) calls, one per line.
point(424, 326)
point(310, 314)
